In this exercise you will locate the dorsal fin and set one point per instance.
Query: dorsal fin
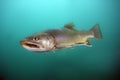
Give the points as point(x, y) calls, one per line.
point(69, 26)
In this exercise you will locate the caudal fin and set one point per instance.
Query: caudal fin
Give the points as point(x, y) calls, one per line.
point(96, 31)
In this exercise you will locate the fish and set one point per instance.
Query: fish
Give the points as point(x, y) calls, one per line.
point(56, 39)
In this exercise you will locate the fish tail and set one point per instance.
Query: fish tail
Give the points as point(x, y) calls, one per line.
point(96, 31)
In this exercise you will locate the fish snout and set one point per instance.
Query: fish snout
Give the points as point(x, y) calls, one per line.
point(22, 42)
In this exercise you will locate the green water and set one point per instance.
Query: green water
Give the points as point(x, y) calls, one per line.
point(21, 18)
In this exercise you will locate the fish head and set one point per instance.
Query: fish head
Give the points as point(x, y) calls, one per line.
point(38, 43)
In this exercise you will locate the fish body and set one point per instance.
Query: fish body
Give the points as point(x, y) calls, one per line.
point(56, 39)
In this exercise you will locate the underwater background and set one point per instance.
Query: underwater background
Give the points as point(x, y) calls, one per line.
point(21, 18)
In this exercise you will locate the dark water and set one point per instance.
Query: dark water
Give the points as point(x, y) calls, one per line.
point(21, 18)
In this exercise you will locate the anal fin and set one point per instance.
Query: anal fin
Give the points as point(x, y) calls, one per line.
point(88, 43)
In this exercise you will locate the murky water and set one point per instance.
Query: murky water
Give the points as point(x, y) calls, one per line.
point(21, 18)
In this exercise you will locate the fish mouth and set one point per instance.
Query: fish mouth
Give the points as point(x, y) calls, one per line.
point(29, 44)
point(32, 45)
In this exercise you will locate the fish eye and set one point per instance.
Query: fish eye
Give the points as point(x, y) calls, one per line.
point(35, 38)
